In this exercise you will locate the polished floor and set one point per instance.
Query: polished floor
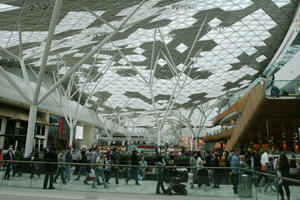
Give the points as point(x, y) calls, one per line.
point(25, 188)
point(37, 194)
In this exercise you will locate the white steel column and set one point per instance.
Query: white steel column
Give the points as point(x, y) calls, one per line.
point(46, 130)
point(71, 136)
point(2, 132)
point(54, 20)
point(30, 130)
point(34, 104)
point(88, 135)
point(23, 67)
point(158, 138)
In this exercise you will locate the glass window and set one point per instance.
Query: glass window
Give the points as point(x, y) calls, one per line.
point(38, 129)
point(43, 130)
point(0, 124)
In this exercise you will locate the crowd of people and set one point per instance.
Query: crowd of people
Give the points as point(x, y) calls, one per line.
point(259, 161)
point(95, 164)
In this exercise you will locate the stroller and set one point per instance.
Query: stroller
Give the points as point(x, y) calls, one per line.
point(178, 176)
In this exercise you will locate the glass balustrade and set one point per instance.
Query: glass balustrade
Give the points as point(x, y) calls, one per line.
point(176, 180)
point(282, 88)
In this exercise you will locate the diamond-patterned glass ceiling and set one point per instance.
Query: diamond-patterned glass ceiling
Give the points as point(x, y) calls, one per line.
point(171, 55)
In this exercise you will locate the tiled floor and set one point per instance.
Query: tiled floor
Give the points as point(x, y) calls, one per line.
point(37, 194)
point(146, 188)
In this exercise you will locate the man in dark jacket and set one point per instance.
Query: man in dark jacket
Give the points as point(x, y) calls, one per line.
point(207, 164)
point(8, 156)
point(50, 169)
point(133, 172)
point(284, 169)
point(82, 168)
point(115, 161)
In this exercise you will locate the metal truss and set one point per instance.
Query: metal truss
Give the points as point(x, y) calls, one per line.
point(37, 99)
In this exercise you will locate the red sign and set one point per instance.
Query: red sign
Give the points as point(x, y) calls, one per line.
point(145, 147)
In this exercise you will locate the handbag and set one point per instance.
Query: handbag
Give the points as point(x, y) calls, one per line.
point(264, 168)
point(279, 180)
point(92, 173)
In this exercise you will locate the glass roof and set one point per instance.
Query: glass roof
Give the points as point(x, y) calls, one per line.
point(171, 55)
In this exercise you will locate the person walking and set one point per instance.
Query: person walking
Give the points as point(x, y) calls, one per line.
point(284, 169)
point(99, 168)
point(115, 161)
point(9, 156)
point(217, 172)
point(94, 155)
point(201, 171)
point(17, 166)
point(107, 168)
point(235, 162)
point(160, 163)
point(257, 166)
point(50, 168)
point(133, 172)
point(270, 180)
point(69, 159)
point(143, 163)
point(61, 167)
point(193, 165)
point(264, 164)
point(207, 164)
point(82, 168)
point(35, 168)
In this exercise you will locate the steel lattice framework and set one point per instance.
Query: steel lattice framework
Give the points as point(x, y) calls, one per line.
point(135, 62)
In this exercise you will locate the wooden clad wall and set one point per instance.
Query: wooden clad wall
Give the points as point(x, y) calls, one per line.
point(253, 103)
point(224, 135)
point(236, 107)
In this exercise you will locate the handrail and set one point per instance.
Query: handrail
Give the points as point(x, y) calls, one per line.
point(154, 166)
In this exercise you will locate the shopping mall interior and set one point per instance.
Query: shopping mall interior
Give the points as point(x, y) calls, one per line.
point(131, 99)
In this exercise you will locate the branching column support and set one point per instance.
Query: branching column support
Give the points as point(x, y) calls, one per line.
point(176, 93)
point(88, 55)
point(24, 71)
point(34, 104)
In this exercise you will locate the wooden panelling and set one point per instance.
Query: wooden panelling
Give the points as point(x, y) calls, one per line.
point(236, 107)
point(252, 105)
point(224, 135)
point(280, 114)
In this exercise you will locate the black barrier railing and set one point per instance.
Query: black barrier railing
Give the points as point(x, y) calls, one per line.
point(153, 166)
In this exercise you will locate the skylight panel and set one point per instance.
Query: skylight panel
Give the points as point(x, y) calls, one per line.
point(5, 7)
point(136, 58)
point(181, 48)
point(63, 70)
point(214, 22)
point(261, 58)
point(76, 20)
point(79, 54)
point(281, 3)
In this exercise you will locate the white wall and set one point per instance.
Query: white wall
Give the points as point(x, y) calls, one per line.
point(88, 135)
point(2, 131)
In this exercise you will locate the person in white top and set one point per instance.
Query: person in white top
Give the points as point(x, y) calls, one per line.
point(264, 163)
point(264, 160)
